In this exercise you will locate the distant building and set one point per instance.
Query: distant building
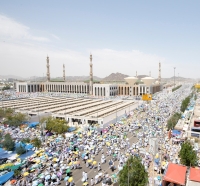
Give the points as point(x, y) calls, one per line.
point(130, 88)
point(105, 90)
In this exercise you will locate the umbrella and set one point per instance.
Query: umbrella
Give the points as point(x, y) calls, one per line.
point(41, 176)
point(46, 173)
point(53, 176)
point(40, 184)
point(89, 161)
point(66, 178)
point(55, 165)
point(94, 163)
point(85, 183)
point(26, 174)
point(13, 181)
point(55, 159)
point(76, 162)
point(108, 143)
point(70, 164)
point(35, 183)
point(70, 179)
point(114, 176)
point(59, 174)
point(68, 171)
point(47, 177)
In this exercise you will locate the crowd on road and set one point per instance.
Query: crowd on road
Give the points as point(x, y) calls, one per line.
point(95, 157)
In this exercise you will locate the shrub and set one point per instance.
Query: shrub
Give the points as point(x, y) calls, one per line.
point(26, 140)
point(8, 143)
point(20, 150)
point(36, 142)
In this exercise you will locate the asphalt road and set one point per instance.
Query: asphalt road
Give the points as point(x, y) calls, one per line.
point(77, 173)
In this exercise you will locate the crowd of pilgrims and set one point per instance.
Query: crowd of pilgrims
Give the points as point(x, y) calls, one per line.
point(113, 146)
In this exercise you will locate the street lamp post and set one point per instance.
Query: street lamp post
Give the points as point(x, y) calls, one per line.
point(178, 79)
point(174, 76)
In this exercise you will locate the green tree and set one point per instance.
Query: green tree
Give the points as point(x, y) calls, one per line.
point(185, 103)
point(8, 143)
point(187, 155)
point(4, 112)
point(20, 150)
point(15, 119)
point(17, 173)
point(26, 140)
point(134, 173)
point(6, 87)
point(56, 125)
point(36, 142)
point(172, 121)
point(174, 89)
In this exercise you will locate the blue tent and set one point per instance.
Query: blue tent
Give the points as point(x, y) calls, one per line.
point(176, 132)
point(6, 177)
point(33, 124)
point(157, 160)
point(4, 154)
point(27, 147)
point(71, 129)
point(27, 154)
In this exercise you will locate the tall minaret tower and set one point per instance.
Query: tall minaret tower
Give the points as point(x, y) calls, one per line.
point(159, 76)
point(149, 73)
point(91, 76)
point(136, 74)
point(64, 72)
point(48, 69)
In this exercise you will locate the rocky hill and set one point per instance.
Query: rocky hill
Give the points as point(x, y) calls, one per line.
point(114, 77)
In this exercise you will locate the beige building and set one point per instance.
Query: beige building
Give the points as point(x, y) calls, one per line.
point(130, 88)
point(68, 87)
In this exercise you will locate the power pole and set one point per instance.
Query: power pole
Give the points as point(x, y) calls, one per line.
point(174, 76)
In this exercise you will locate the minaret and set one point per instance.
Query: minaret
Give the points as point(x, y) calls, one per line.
point(149, 73)
point(136, 74)
point(91, 76)
point(48, 69)
point(159, 76)
point(64, 72)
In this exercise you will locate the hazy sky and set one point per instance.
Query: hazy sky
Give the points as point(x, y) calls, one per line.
point(123, 36)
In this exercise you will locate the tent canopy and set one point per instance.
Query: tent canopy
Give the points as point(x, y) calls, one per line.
point(6, 177)
point(175, 174)
point(33, 124)
point(194, 174)
point(176, 132)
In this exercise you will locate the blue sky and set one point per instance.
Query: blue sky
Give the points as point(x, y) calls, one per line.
point(123, 36)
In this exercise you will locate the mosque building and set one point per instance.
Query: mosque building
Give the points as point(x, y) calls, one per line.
point(146, 85)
